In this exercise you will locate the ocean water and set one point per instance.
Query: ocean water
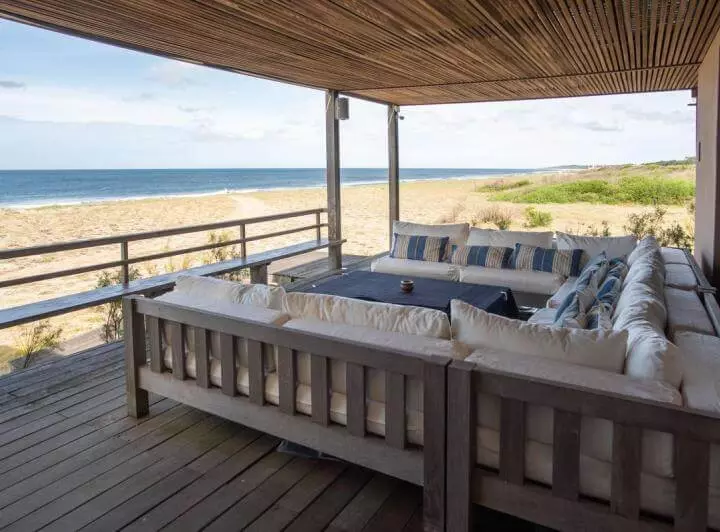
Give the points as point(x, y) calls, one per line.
point(39, 188)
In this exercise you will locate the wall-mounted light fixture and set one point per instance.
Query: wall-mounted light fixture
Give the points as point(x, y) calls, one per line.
point(342, 110)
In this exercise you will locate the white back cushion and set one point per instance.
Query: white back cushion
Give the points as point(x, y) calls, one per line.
point(613, 246)
point(645, 246)
point(208, 288)
point(596, 348)
point(457, 233)
point(508, 239)
point(652, 356)
point(379, 316)
point(262, 295)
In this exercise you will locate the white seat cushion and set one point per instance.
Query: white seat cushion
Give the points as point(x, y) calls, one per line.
point(416, 268)
point(544, 283)
point(457, 233)
point(701, 383)
point(596, 434)
point(685, 312)
point(544, 316)
point(680, 276)
point(380, 316)
point(701, 370)
point(508, 239)
point(562, 292)
point(596, 348)
point(613, 246)
point(674, 256)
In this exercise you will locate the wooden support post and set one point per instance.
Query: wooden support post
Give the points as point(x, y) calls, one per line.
point(138, 403)
point(243, 244)
point(707, 183)
point(332, 148)
point(259, 274)
point(393, 166)
point(318, 231)
point(125, 268)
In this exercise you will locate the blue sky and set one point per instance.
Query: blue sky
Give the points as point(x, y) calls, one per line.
point(70, 103)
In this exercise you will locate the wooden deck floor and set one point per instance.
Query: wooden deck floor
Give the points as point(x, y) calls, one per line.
point(71, 459)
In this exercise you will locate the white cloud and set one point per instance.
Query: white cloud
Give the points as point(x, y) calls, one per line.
point(175, 74)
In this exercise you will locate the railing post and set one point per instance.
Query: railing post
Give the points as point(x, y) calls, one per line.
point(125, 268)
point(318, 233)
point(243, 244)
point(259, 274)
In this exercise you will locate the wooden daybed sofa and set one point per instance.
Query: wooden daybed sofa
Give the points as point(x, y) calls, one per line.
point(399, 391)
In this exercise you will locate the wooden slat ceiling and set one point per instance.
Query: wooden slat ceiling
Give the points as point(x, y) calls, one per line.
point(412, 51)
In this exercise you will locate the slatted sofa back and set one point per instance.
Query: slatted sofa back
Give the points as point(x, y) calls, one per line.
point(562, 506)
point(392, 455)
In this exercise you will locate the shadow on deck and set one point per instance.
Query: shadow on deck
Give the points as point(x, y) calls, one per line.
point(71, 459)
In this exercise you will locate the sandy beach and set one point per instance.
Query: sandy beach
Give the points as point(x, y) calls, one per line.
point(364, 223)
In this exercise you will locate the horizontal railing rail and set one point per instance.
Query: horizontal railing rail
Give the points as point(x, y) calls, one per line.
point(126, 261)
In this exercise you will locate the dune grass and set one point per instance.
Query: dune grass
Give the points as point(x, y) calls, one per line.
point(635, 189)
point(502, 185)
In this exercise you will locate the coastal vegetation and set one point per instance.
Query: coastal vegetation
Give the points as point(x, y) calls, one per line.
point(661, 183)
point(537, 218)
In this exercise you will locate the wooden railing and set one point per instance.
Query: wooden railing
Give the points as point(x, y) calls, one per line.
point(123, 241)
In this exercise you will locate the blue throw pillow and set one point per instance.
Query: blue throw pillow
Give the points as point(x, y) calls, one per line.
point(600, 314)
point(413, 247)
point(487, 256)
point(565, 262)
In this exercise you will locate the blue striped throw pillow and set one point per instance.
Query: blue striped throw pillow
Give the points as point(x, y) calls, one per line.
point(565, 262)
point(415, 247)
point(487, 256)
point(600, 314)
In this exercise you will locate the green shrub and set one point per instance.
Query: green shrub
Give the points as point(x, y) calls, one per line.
point(652, 223)
point(630, 189)
point(112, 328)
point(500, 218)
point(500, 185)
point(35, 338)
point(536, 218)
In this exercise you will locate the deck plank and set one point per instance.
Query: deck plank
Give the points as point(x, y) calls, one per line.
point(323, 510)
point(51, 464)
point(287, 508)
point(71, 458)
point(245, 511)
point(151, 497)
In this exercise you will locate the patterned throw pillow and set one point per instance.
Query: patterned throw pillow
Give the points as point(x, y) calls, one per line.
point(488, 256)
point(600, 314)
point(590, 279)
point(569, 313)
point(617, 268)
point(573, 309)
point(565, 262)
point(413, 247)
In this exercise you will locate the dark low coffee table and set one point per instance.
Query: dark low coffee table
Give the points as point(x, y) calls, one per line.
point(428, 293)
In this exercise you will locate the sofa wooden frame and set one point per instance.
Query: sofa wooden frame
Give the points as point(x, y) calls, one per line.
point(561, 505)
point(392, 455)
